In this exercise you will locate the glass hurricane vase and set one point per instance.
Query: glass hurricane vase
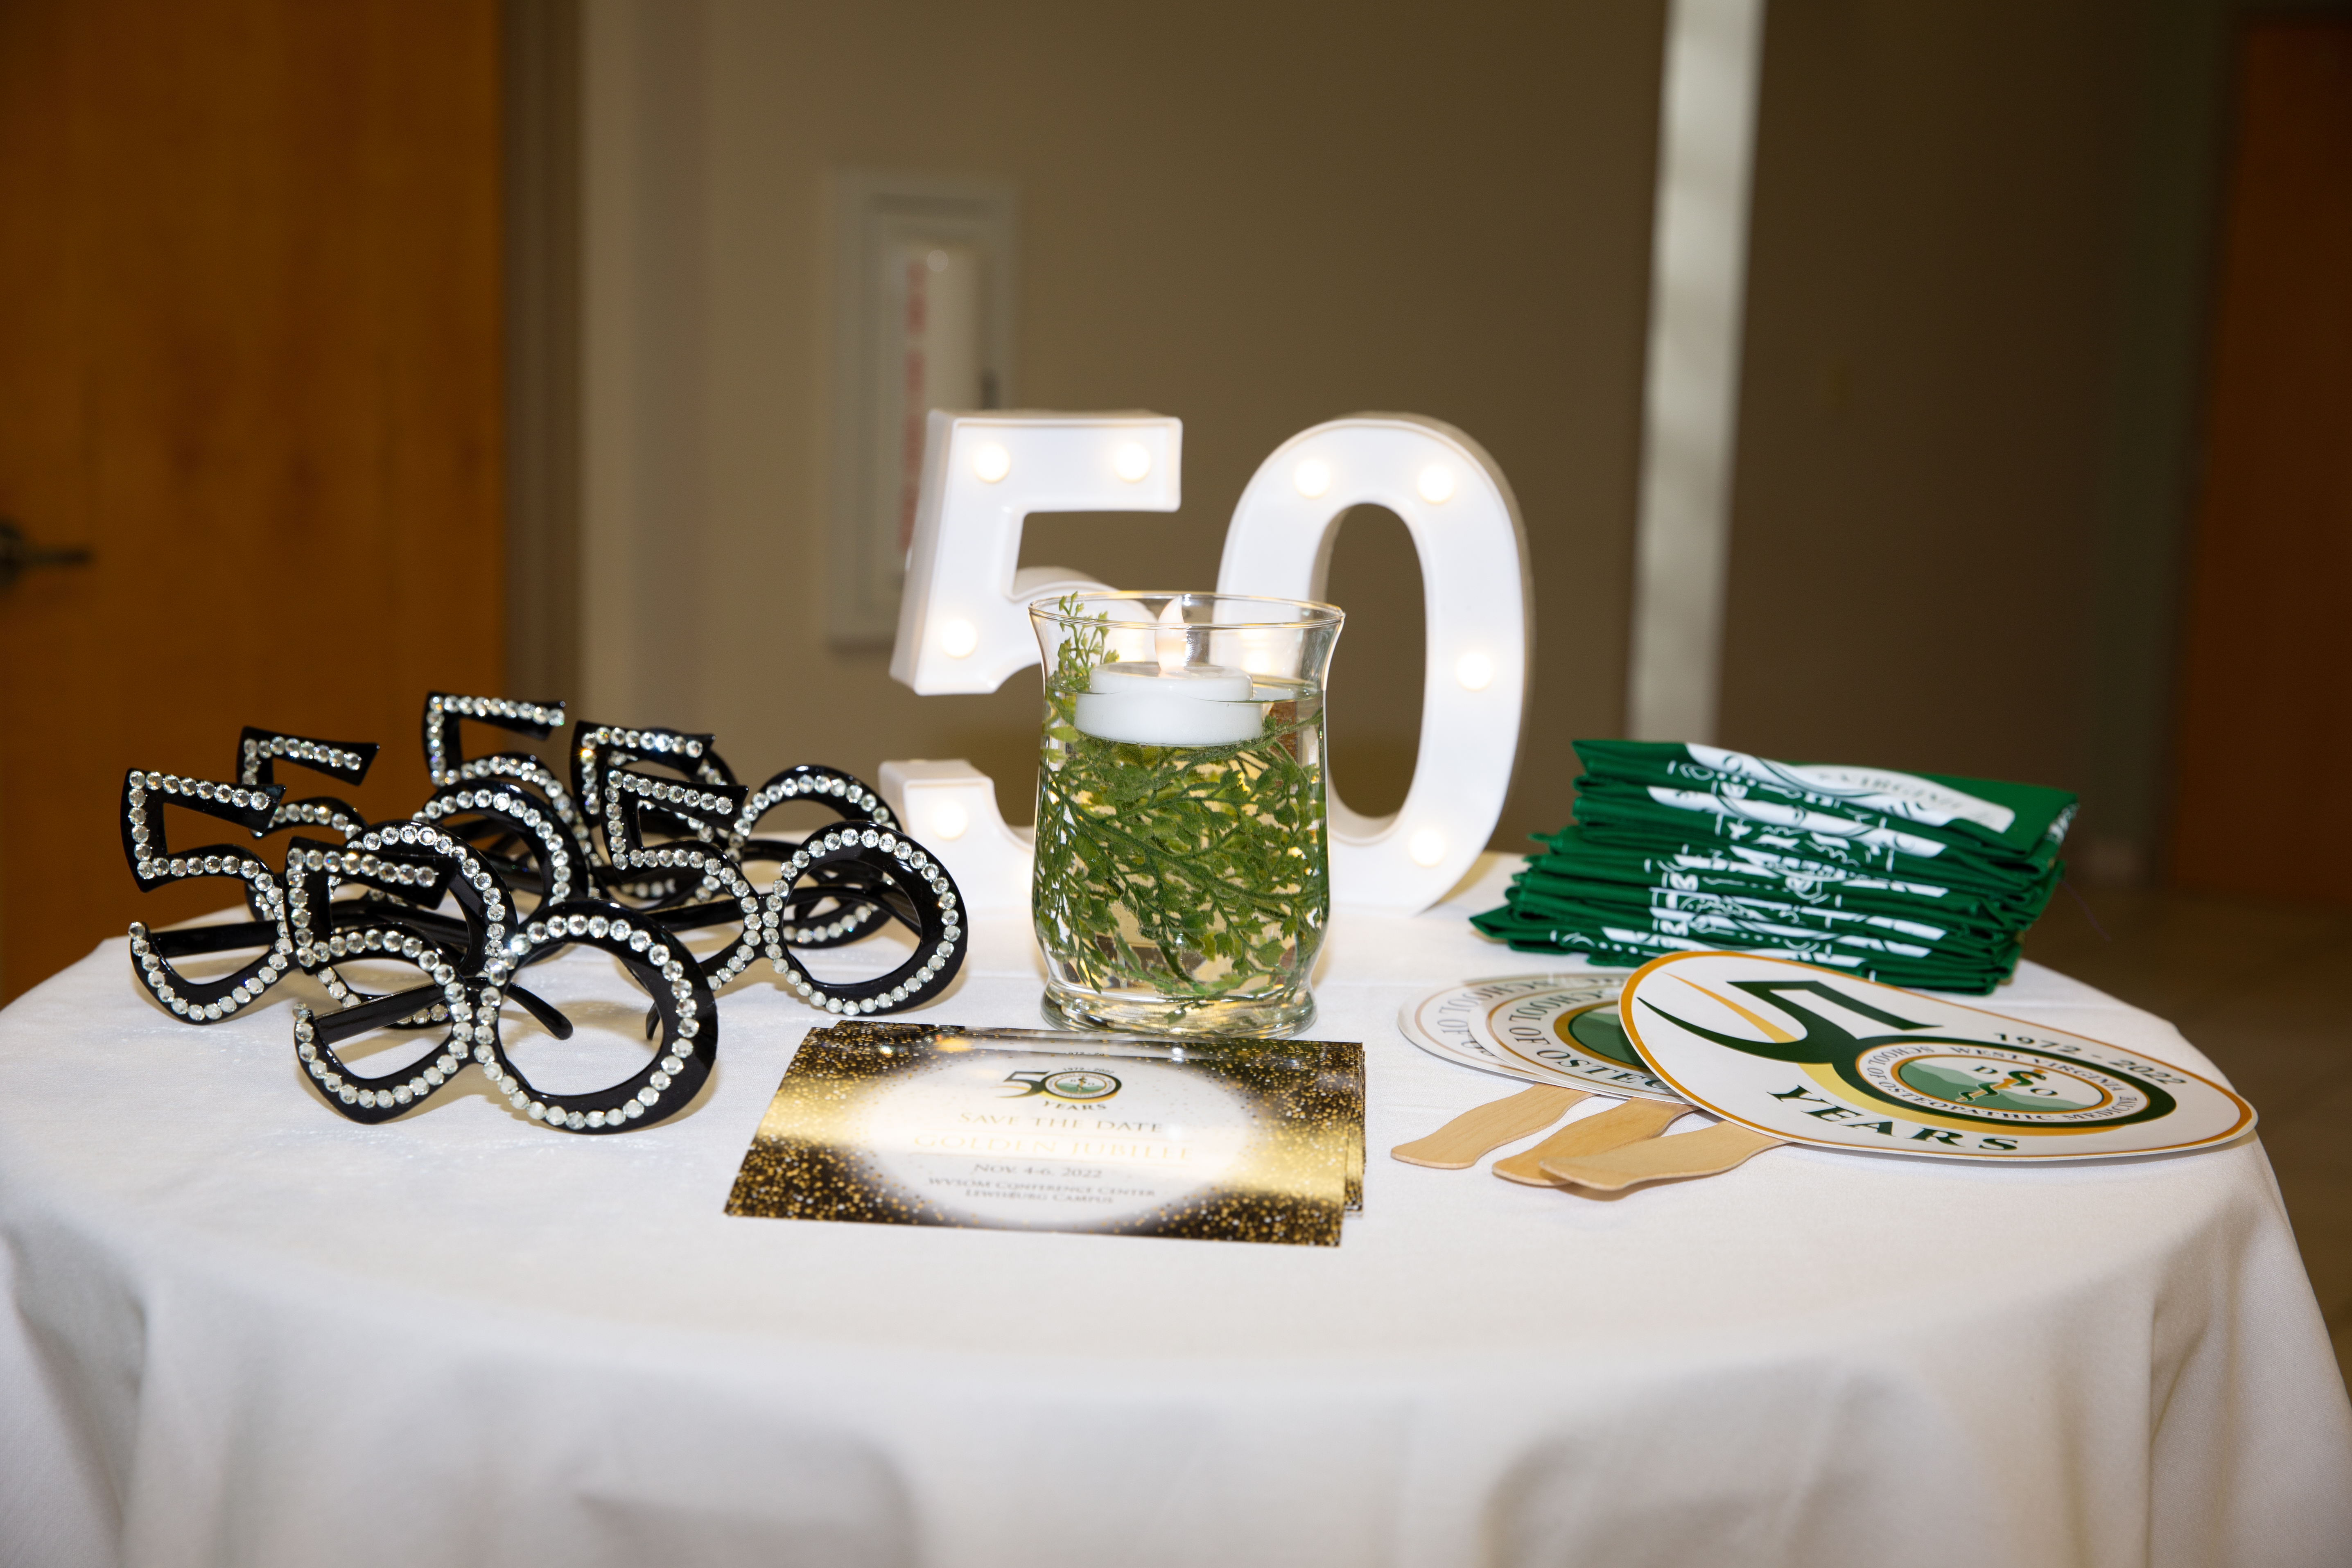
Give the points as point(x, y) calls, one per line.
point(1183, 877)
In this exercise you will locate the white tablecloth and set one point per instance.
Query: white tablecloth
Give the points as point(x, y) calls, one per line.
point(246, 1332)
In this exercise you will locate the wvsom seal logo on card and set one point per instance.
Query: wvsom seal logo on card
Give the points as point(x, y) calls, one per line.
point(1820, 1058)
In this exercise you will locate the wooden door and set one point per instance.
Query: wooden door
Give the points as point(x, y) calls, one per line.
point(249, 329)
point(2264, 729)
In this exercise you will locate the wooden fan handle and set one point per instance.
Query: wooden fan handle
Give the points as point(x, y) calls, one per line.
point(1461, 1141)
point(1706, 1152)
point(1634, 1120)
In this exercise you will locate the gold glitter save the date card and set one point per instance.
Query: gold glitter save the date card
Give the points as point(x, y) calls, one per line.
point(1258, 1141)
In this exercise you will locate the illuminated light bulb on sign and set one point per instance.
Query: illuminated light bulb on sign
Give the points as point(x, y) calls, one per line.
point(1130, 462)
point(1312, 478)
point(1436, 484)
point(957, 639)
point(949, 820)
point(1427, 847)
point(1475, 672)
point(991, 462)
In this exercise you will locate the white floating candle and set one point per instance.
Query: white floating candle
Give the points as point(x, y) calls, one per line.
point(1171, 702)
point(1158, 705)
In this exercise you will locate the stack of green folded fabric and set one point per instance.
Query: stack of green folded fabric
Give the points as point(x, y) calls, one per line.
point(1913, 879)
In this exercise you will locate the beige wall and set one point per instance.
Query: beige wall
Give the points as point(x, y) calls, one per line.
point(1932, 263)
point(1257, 217)
point(1250, 219)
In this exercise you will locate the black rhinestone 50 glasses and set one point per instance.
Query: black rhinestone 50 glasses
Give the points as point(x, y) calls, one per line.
point(625, 860)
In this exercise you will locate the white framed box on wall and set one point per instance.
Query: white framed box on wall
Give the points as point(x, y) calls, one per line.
point(922, 308)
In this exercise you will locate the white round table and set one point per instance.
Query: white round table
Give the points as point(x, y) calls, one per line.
point(248, 1332)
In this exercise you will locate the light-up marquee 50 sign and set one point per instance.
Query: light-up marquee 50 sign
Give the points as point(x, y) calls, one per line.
point(963, 625)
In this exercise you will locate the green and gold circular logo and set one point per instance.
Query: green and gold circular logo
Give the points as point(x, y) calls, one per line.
point(1998, 1084)
point(1573, 1033)
point(1081, 1086)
